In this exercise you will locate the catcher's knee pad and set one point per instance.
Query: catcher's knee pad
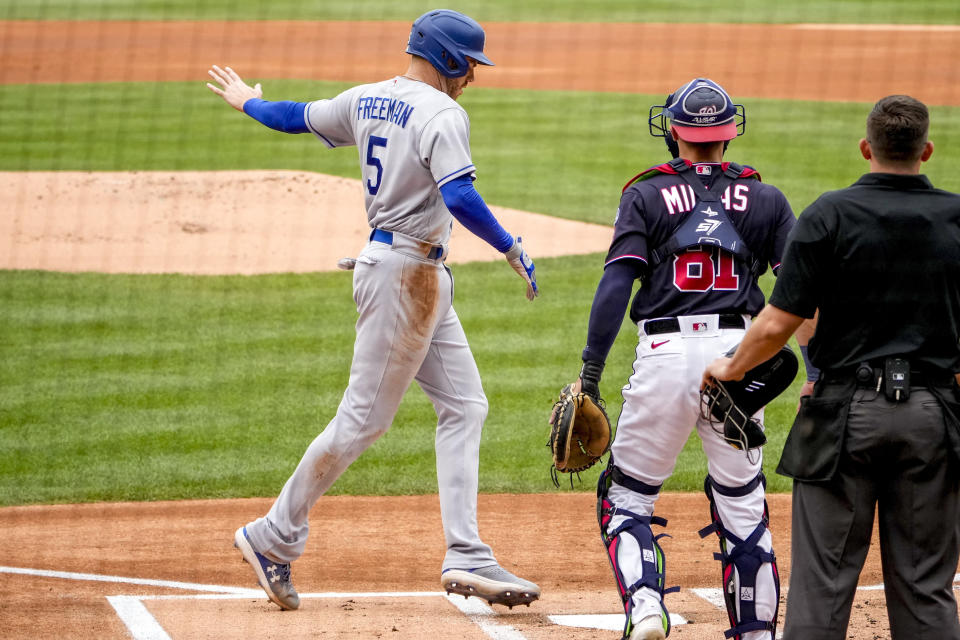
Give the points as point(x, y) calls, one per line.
point(647, 557)
point(742, 561)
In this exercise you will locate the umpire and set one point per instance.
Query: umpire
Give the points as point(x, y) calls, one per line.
point(881, 261)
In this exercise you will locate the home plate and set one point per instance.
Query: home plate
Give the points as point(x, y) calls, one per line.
point(605, 621)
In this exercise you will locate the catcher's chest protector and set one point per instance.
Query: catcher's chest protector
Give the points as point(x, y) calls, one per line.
point(708, 223)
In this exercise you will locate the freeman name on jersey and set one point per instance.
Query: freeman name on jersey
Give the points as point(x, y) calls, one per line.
point(382, 108)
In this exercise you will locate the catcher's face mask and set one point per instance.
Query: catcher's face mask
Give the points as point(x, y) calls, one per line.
point(729, 405)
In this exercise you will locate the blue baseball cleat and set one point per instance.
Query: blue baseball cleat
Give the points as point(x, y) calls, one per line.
point(274, 577)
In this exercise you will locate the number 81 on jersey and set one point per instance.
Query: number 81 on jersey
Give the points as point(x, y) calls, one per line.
point(701, 270)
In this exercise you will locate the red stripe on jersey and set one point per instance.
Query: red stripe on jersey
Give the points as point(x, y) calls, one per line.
point(748, 172)
point(649, 173)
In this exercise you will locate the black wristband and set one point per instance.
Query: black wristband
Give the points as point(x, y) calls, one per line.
point(590, 378)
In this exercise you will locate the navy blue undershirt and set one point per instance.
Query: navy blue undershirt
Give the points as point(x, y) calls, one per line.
point(609, 306)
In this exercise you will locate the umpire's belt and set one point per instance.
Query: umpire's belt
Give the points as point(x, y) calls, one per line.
point(672, 325)
point(430, 251)
point(918, 377)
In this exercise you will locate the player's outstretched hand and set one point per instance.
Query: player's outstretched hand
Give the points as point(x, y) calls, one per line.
point(523, 265)
point(232, 87)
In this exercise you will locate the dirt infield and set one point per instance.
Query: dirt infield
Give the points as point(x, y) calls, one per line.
point(371, 569)
point(222, 222)
point(167, 570)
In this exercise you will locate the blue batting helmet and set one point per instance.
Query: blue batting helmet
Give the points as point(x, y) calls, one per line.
point(446, 39)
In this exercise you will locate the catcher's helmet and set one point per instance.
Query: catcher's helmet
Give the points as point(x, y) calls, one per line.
point(446, 39)
point(699, 111)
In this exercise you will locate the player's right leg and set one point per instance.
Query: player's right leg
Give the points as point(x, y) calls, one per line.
point(736, 489)
point(397, 298)
point(450, 378)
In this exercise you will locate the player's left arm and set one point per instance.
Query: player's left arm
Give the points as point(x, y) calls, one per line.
point(468, 207)
point(784, 221)
point(625, 263)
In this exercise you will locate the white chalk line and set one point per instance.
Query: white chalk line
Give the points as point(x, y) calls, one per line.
point(143, 626)
point(94, 577)
point(139, 621)
point(480, 613)
point(603, 621)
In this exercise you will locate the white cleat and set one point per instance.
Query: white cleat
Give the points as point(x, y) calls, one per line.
point(650, 628)
point(494, 584)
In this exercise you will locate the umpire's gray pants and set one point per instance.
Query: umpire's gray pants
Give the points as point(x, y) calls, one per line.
point(894, 460)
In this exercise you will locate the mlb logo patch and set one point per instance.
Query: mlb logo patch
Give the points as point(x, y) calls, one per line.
point(699, 326)
point(648, 556)
point(704, 170)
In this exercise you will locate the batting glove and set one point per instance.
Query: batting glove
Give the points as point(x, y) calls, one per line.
point(523, 265)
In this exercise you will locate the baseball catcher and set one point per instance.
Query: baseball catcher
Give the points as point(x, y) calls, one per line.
point(697, 232)
point(579, 425)
point(730, 405)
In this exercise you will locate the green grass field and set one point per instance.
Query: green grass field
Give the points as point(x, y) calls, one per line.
point(118, 387)
point(570, 161)
point(762, 11)
point(121, 387)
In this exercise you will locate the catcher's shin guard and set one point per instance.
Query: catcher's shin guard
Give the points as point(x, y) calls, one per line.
point(742, 562)
point(652, 566)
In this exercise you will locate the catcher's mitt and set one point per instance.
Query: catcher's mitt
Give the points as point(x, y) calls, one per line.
point(579, 433)
point(731, 403)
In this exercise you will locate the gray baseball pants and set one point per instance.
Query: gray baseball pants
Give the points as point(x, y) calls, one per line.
point(407, 330)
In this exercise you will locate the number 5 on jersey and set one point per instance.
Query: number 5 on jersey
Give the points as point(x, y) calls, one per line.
point(374, 161)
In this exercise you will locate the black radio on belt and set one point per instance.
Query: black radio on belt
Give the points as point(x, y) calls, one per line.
point(896, 379)
point(893, 378)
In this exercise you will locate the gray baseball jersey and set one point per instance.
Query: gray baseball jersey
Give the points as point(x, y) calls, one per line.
point(411, 139)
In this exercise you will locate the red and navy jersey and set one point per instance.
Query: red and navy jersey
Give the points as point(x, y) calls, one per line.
point(705, 279)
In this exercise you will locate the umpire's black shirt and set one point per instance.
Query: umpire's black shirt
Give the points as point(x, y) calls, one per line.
point(881, 260)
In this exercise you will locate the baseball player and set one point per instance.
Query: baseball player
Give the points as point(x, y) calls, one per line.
point(697, 232)
point(413, 144)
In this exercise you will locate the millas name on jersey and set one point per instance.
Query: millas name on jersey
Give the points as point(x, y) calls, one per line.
point(679, 198)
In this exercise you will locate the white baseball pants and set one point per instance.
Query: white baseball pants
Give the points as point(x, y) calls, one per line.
point(661, 408)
